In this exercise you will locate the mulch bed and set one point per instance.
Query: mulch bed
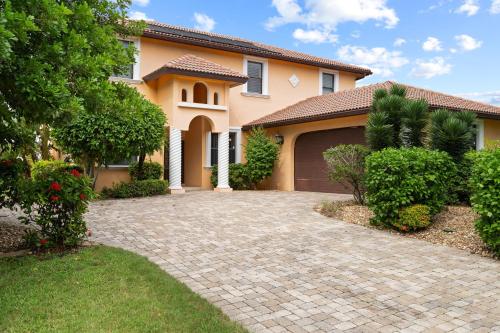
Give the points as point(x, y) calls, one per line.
point(11, 232)
point(453, 227)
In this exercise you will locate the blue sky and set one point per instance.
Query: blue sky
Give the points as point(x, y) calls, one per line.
point(451, 46)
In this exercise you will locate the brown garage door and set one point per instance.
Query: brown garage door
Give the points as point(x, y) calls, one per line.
point(310, 167)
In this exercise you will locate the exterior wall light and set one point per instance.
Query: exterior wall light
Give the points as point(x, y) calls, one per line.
point(278, 138)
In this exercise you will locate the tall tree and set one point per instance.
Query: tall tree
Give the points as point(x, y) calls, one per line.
point(56, 57)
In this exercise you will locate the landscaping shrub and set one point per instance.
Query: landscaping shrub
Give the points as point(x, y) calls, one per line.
point(238, 176)
point(453, 132)
point(413, 218)
point(137, 188)
point(398, 178)
point(12, 171)
point(150, 170)
point(55, 200)
point(261, 153)
point(346, 164)
point(485, 199)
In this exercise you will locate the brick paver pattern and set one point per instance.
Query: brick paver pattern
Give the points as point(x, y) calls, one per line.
point(273, 264)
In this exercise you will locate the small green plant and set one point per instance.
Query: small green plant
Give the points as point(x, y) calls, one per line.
point(150, 170)
point(346, 164)
point(138, 188)
point(413, 218)
point(398, 178)
point(485, 199)
point(238, 176)
point(261, 153)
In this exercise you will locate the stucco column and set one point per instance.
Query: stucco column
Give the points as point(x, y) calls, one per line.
point(223, 163)
point(175, 161)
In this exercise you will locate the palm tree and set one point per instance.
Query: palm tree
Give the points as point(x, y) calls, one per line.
point(379, 132)
point(414, 122)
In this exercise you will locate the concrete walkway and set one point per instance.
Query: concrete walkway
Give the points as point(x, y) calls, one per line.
point(273, 264)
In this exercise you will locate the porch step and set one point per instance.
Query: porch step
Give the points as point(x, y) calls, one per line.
point(194, 189)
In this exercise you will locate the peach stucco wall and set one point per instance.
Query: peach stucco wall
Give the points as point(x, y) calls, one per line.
point(491, 130)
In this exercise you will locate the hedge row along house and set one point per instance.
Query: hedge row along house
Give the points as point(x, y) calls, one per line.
point(214, 88)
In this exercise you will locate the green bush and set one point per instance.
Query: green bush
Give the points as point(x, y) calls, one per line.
point(261, 153)
point(55, 199)
point(460, 190)
point(485, 199)
point(12, 171)
point(137, 188)
point(398, 178)
point(346, 164)
point(238, 176)
point(413, 218)
point(150, 170)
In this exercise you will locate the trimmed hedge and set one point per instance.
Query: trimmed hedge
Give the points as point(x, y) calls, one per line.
point(137, 188)
point(485, 199)
point(399, 178)
point(238, 176)
point(150, 170)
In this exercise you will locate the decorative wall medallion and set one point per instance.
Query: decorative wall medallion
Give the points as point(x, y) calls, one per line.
point(294, 80)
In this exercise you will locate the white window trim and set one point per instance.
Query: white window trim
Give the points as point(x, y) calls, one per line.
point(118, 166)
point(265, 75)
point(208, 155)
point(335, 79)
point(136, 72)
point(480, 134)
point(237, 152)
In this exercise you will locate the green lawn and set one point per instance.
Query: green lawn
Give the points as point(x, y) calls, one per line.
point(100, 289)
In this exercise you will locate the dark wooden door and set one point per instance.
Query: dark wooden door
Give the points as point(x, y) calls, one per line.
point(310, 167)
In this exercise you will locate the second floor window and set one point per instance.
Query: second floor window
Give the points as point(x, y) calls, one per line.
point(128, 71)
point(328, 83)
point(254, 72)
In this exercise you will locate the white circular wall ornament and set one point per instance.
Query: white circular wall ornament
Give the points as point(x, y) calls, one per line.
point(294, 80)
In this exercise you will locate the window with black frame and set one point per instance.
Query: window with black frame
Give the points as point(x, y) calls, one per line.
point(328, 83)
point(255, 74)
point(214, 148)
point(128, 71)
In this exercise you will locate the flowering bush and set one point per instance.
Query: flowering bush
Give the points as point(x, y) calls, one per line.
point(56, 201)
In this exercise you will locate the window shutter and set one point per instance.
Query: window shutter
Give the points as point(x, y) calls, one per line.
point(254, 72)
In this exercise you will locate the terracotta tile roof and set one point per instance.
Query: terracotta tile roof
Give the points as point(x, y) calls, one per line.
point(229, 43)
point(358, 101)
point(192, 65)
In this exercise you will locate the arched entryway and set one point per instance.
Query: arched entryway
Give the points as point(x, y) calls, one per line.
point(196, 171)
point(309, 165)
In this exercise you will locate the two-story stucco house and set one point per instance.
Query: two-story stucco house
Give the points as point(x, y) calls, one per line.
point(213, 88)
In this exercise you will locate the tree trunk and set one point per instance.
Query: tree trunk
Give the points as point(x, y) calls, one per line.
point(140, 166)
point(44, 143)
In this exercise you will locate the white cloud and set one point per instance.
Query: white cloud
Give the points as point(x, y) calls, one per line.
point(467, 43)
point(490, 97)
point(380, 60)
point(432, 44)
point(204, 22)
point(469, 7)
point(495, 7)
point(327, 14)
point(137, 15)
point(314, 36)
point(429, 68)
point(399, 42)
point(142, 3)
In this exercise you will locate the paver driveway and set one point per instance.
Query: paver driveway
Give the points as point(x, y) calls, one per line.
point(272, 263)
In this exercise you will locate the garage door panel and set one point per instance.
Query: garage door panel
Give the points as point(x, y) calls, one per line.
point(310, 168)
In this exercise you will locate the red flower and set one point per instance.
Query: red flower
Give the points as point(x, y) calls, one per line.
point(43, 242)
point(55, 186)
point(82, 196)
point(54, 198)
point(75, 173)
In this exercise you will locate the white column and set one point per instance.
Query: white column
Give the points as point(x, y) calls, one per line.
point(223, 163)
point(480, 134)
point(175, 161)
